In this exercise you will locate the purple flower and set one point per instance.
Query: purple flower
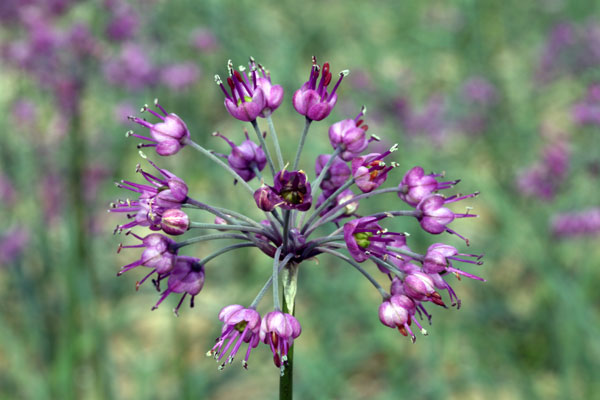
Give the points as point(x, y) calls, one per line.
point(582, 223)
point(397, 312)
point(168, 136)
point(187, 277)
point(434, 217)
point(336, 176)
point(279, 330)
point(587, 111)
point(12, 244)
point(179, 76)
point(240, 325)
point(131, 69)
point(123, 24)
point(273, 93)
point(415, 185)
point(479, 90)
point(246, 100)
point(544, 178)
point(159, 254)
point(420, 286)
point(204, 40)
point(365, 237)
point(291, 191)
point(312, 100)
point(246, 158)
point(350, 135)
point(439, 257)
point(164, 191)
point(370, 171)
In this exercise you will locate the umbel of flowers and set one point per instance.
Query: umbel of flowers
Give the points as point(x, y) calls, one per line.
point(305, 215)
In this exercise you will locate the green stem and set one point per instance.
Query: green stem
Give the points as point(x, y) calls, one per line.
point(286, 380)
point(263, 144)
point(301, 144)
point(275, 141)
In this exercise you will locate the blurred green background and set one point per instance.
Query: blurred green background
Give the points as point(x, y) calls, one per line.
point(69, 74)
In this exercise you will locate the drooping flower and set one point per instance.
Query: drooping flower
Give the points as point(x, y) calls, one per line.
point(240, 325)
point(279, 330)
point(350, 136)
point(312, 100)
point(336, 176)
point(420, 286)
point(246, 158)
point(159, 254)
point(187, 277)
point(434, 217)
point(167, 136)
point(439, 257)
point(416, 185)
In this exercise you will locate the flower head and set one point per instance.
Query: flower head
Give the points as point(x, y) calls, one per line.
point(365, 237)
point(312, 99)
point(240, 325)
point(397, 312)
point(167, 136)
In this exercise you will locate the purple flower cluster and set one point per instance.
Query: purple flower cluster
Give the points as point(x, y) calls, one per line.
point(287, 233)
point(544, 177)
point(580, 223)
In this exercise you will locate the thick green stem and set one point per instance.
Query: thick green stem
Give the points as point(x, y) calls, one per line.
point(286, 380)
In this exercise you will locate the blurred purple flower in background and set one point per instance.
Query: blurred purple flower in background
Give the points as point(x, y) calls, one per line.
point(580, 223)
point(587, 111)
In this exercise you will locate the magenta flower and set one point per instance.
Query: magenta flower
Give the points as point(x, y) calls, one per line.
point(397, 312)
point(187, 277)
point(273, 93)
point(240, 325)
point(312, 100)
point(365, 237)
point(415, 185)
point(279, 330)
point(246, 158)
point(439, 257)
point(179, 76)
point(168, 136)
point(434, 217)
point(164, 191)
point(336, 176)
point(350, 136)
point(246, 100)
point(159, 254)
point(370, 171)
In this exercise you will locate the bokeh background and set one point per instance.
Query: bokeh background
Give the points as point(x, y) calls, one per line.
point(499, 94)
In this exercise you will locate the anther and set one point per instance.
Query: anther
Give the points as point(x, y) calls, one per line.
point(218, 80)
point(345, 72)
